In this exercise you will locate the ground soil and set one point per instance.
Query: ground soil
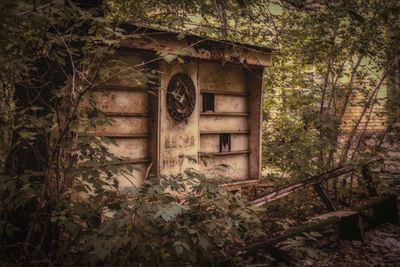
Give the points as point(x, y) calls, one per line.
point(381, 247)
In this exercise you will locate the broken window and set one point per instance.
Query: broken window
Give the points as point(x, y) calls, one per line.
point(224, 142)
point(208, 102)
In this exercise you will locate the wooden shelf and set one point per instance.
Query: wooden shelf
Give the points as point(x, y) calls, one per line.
point(216, 154)
point(229, 93)
point(223, 132)
point(230, 114)
point(126, 114)
point(121, 135)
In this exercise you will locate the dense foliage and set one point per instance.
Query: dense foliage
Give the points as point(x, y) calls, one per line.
point(328, 53)
point(59, 198)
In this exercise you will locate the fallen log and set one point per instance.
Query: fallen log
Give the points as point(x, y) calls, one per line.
point(314, 180)
point(348, 226)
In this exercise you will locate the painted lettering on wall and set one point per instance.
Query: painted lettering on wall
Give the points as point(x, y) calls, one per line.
point(181, 141)
point(170, 162)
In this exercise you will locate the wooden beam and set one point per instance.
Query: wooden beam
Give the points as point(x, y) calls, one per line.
point(322, 221)
point(287, 190)
point(203, 48)
point(324, 197)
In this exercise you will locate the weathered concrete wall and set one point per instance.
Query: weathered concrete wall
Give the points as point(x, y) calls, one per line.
point(178, 140)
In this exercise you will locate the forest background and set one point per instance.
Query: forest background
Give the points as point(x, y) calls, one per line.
point(54, 52)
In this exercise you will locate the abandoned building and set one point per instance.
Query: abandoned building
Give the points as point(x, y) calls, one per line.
point(206, 115)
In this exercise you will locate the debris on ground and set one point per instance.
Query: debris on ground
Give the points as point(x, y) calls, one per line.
point(381, 247)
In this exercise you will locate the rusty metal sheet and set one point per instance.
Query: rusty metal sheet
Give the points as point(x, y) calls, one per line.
point(209, 143)
point(125, 126)
point(134, 178)
point(129, 59)
point(239, 142)
point(215, 76)
point(130, 66)
point(238, 166)
point(121, 101)
point(132, 148)
point(224, 103)
point(223, 123)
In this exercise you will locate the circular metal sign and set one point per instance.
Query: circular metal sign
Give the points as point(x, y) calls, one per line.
point(181, 96)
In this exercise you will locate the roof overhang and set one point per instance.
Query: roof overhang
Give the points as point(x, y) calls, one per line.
point(198, 47)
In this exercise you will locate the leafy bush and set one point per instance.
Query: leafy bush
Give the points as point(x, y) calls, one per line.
point(170, 221)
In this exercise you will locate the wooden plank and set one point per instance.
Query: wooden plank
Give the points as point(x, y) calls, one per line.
point(235, 186)
point(267, 242)
point(317, 223)
point(287, 190)
point(324, 197)
point(241, 183)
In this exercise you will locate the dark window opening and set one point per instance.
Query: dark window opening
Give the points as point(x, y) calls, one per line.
point(224, 142)
point(208, 102)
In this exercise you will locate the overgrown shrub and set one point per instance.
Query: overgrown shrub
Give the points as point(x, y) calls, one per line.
point(185, 219)
point(169, 221)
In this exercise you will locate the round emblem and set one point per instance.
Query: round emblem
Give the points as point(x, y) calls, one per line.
point(181, 96)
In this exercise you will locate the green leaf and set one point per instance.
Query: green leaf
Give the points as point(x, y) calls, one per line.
point(180, 36)
point(169, 58)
